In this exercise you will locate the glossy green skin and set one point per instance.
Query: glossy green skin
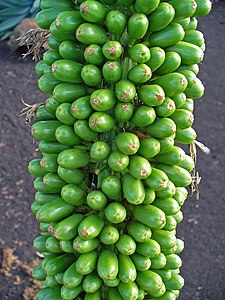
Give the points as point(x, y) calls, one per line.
point(56, 3)
point(82, 246)
point(151, 282)
point(83, 130)
point(52, 180)
point(179, 176)
point(38, 273)
point(109, 235)
point(196, 90)
point(141, 262)
point(66, 246)
point(178, 217)
point(86, 262)
point(168, 192)
point(73, 158)
point(194, 37)
point(45, 17)
point(166, 239)
point(164, 274)
point(66, 135)
point(93, 296)
point(52, 293)
point(64, 115)
point(101, 122)
point(112, 283)
point(171, 63)
point(68, 92)
point(107, 265)
point(73, 194)
point(188, 105)
point(112, 50)
point(175, 283)
point(93, 11)
point(51, 105)
point(71, 277)
point(96, 200)
point(171, 223)
point(68, 21)
point(182, 118)
point(126, 245)
point(162, 128)
point(103, 99)
point(74, 176)
point(81, 108)
point(181, 195)
point(184, 9)
point(53, 44)
point(54, 211)
point(90, 227)
point(173, 157)
point(168, 36)
point(192, 25)
point(143, 116)
point(49, 162)
point(140, 73)
point(41, 187)
point(127, 143)
point(67, 229)
point(168, 205)
point(203, 8)
point(179, 100)
point(125, 90)
point(35, 168)
point(71, 51)
point(40, 68)
point(45, 198)
point(91, 75)
point(123, 111)
point(59, 264)
point(139, 232)
point(173, 262)
point(59, 35)
point(128, 291)
point(167, 296)
point(151, 95)
point(161, 17)
point(59, 278)
point(127, 270)
point(71, 294)
point(67, 71)
point(190, 54)
point(116, 22)
point(179, 246)
point(166, 109)
point(136, 195)
point(113, 293)
point(45, 130)
point(88, 33)
point(91, 283)
point(158, 262)
point(149, 147)
point(183, 22)
point(146, 8)
point(150, 215)
point(39, 243)
point(118, 161)
point(157, 181)
point(149, 196)
point(190, 76)
point(115, 213)
point(139, 53)
point(93, 55)
point(157, 58)
point(100, 151)
point(137, 25)
point(139, 167)
point(52, 245)
point(47, 83)
point(35, 206)
point(188, 163)
point(112, 72)
point(172, 84)
point(185, 136)
point(51, 56)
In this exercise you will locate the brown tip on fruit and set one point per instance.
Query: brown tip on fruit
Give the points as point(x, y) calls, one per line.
point(57, 22)
point(132, 146)
point(111, 65)
point(79, 32)
point(112, 50)
point(96, 101)
point(84, 233)
point(94, 122)
point(84, 8)
point(54, 67)
point(125, 96)
point(160, 97)
point(125, 107)
point(90, 51)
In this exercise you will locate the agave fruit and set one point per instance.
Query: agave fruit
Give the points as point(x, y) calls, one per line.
point(12, 12)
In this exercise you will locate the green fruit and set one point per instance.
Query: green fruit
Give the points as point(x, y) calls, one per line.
point(171, 63)
point(91, 75)
point(179, 246)
point(100, 151)
point(59, 35)
point(73, 158)
point(109, 235)
point(166, 239)
point(66, 135)
point(66, 246)
point(90, 227)
point(141, 263)
point(127, 143)
point(169, 192)
point(71, 51)
point(111, 187)
point(149, 196)
point(150, 216)
point(146, 7)
point(152, 95)
point(176, 282)
point(116, 22)
point(158, 262)
point(52, 245)
point(175, 156)
point(157, 181)
point(139, 53)
point(51, 56)
point(139, 167)
point(63, 114)
point(139, 232)
point(39, 243)
point(128, 291)
point(182, 118)
point(93, 11)
point(137, 25)
point(93, 296)
point(136, 195)
point(42, 198)
point(107, 266)
point(91, 283)
point(185, 136)
point(73, 194)
point(53, 43)
point(118, 161)
point(115, 213)
point(68, 21)
point(149, 147)
point(59, 264)
point(93, 55)
point(36, 168)
point(127, 271)
point(112, 283)
point(88, 33)
point(103, 99)
point(82, 129)
point(184, 9)
point(151, 282)
point(140, 73)
point(38, 273)
point(71, 277)
point(179, 100)
point(161, 17)
point(86, 262)
point(173, 262)
point(157, 58)
point(49, 162)
point(85, 246)
point(123, 111)
point(96, 200)
point(68, 92)
point(45, 130)
point(126, 245)
point(101, 122)
point(112, 50)
point(70, 294)
point(67, 71)
point(166, 109)
point(125, 90)
point(164, 274)
point(74, 176)
point(203, 8)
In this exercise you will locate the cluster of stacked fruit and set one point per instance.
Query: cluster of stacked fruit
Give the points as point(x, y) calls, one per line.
point(112, 181)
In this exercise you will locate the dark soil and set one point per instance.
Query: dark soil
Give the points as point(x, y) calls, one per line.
point(203, 227)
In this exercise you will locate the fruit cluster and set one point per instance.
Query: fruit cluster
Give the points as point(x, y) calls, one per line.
point(112, 179)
